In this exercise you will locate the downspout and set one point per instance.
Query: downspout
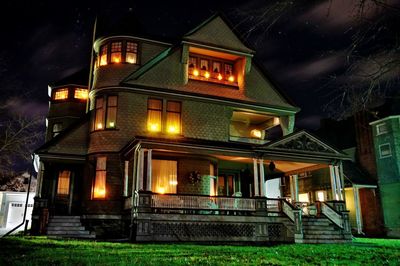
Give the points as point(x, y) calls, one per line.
point(135, 195)
point(26, 206)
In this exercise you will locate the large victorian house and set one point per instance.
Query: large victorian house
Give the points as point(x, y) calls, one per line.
point(173, 143)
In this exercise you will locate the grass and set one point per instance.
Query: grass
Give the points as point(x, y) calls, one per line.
point(43, 251)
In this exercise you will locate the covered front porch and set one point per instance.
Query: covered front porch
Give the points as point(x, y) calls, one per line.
point(229, 194)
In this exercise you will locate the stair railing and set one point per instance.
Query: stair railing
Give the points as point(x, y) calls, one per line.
point(294, 214)
point(332, 214)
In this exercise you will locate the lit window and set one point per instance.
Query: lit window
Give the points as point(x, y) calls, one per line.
point(255, 133)
point(204, 64)
point(192, 62)
point(103, 55)
point(303, 197)
point(131, 52)
point(81, 94)
point(154, 114)
point(116, 52)
point(99, 190)
point(99, 115)
point(63, 182)
point(173, 117)
point(164, 176)
point(381, 129)
point(321, 195)
point(57, 128)
point(61, 94)
point(384, 150)
point(111, 111)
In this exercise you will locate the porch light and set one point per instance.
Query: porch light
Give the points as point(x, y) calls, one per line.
point(154, 127)
point(256, 133)
point(219, 77)
point(99, 126)
point(207, 74)
point(231, 78)
point(195, 73)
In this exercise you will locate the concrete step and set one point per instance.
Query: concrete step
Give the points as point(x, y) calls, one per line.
point(322, 241)
point(326, 236)
point(317, 223)
point(52, 223)
point(321, 232)
point(72, 236)
point(67, 219)
point(319, 227)
point(64, 232)
point(66, 228)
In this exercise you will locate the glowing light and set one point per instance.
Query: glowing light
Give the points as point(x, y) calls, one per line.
point(219, 77)
point(99, 193)
point(81, 94)
point(196, 73)
point(276, 121)
point(256, 133)
point(103, 60)
point(173, 183)
point(112, 124)
point(207, 75)
point(321, 196)
point(99, 126)
point(161, 190)
point(172, 129)
point(231, 78)
point(61, 94)
point(154, 127)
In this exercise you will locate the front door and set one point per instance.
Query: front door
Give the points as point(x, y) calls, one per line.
point(228, 183)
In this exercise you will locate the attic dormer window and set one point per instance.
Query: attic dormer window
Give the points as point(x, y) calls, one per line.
point(212, 69)
point(115, 52)
point(61, 94)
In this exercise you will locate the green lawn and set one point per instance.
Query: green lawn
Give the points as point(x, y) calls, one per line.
point(43, 251)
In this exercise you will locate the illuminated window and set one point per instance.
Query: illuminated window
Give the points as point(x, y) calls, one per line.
point(111, 111)
point(192, 62)
point(131, 52)
point(164, 176)
point(61, 94)
point(57, 128)
point(173, 117)
point(63, 182)
point(99, 190)
point(116, 52)
point(81, 94)
point(103, 55)
point(321, 195)
point(211, 69)
point(99, 114)
point(154, 114)
point(303, 197)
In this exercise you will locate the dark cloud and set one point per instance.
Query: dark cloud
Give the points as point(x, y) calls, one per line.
point(23, 107)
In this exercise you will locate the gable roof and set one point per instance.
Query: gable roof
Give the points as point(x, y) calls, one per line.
point(217, 31)
point(303, 142)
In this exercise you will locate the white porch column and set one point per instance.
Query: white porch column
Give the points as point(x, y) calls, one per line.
point(339, 182)
point(255, 169)
point(149, 157)
point(332, 171)
point(294, 188)
point(357, 209)
point(140, 168)
point(39, 180)
point(262, 181)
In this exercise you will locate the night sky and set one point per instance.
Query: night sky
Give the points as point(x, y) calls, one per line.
point(302, 52)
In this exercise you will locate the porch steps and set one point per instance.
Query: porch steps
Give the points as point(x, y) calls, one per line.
point(321, 230)
point(68, 227)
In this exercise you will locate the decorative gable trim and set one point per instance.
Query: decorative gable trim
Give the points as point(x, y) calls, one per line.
point(303, 141)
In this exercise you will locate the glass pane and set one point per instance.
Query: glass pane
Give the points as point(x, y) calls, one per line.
point(99, 119)
point(99, 190)
point(131, 58)
point(173, 123)
point(155, 104)
point(103, 55)
point(116, 47)
point(112, 100)
point(154, 120)
point(131, 47)
point(63, 182)
point(116, 57)
point(192, 62)
point(61, 94)
point(173, 106)
point(101, 163)
point(216, 67)
point(111, 117)
point(81, 94)
point(203, 64)
point(99, 102)
point(57, 127)
point(164, 176)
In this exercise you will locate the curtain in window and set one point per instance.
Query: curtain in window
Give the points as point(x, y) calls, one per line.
point(99, 190)
point(99, 123)
point(103, 55)
point(131, 52)
point(111, 111)
point(116, 55)
point(173, 117)
point(61, 94)
point(63, 182)
point(81, 94)
point(164, 176)
point(154, 115)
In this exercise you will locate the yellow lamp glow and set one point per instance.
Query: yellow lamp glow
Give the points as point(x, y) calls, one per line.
point(173, 183)
point(231, 78)
point(172, 129)
point(154, 127)
point(161, 190)
point(276, 121)
point(99, 193)
point(99, 126)
point(256, 133)
point(111, 124)
point(207, 75)
point(195, 73)
point(219, 77)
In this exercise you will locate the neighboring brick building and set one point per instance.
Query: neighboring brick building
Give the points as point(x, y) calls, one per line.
point(172, 143)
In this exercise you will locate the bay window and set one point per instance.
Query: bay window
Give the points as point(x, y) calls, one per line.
point(164, 176)
point(99, 189)
point(120, 51)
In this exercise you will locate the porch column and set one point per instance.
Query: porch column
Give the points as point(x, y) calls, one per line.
point(140, 168)
point(332, 171)
point(149, 157)
point(255, 169)
point(39, 180)
point(339, 181)
point(294, 188)
point(262, 181)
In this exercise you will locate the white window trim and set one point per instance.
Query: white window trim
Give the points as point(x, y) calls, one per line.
point(380, 151)
point(378, 132)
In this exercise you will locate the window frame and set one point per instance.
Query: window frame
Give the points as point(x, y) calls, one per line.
point(93, 197)
point(54, 92)
point(124, 51)
point(174, 112)
point(58, 184)
point(161, 114)
point(55, 133)
point(105, 108)
point(108, 110)
point(379, 131)
point(380, 150)
point(164, 116)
